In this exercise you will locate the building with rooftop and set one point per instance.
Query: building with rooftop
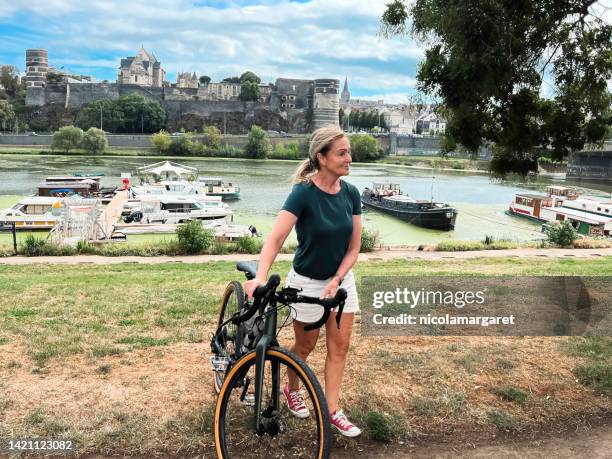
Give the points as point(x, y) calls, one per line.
point(143, 69)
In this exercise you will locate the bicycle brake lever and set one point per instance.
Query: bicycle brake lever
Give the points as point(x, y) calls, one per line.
point(339, 314)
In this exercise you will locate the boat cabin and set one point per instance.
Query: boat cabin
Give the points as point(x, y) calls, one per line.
point(381, 189)
point(562, 191)
point(93, 181)
point(63, 189)
point(530, 205)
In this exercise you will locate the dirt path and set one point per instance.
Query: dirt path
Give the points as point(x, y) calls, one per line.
point(384, 254)
point(593, 443)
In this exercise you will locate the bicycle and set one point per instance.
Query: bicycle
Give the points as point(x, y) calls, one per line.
point(245, 352)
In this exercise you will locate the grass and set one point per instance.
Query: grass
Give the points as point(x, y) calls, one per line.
point(597, 375)
point(590, 243)
point(595, 367)
point(380, 426)
point(123, 319)
point(457, 245)
point(511, 394)
point(503, 420)
point(58, 310)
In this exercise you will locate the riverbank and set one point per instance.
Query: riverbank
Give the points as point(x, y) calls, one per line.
point(416, 162)
point(114, 356)
point(389, 253)
point(438, 163)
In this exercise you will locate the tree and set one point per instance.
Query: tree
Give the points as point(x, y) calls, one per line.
point(489, 60)
point(9, 78)
point(364, 147)
point(103, 114)
point(341, 116)
point(258, 145)
point(161, 141)
point(249, 91)
point(67, 138)
point(231, 80)
point(181, 145)
point(131, 113)
point(249, 76)
point(7, 114)
point(39, 123)
point(205, 79)
point(212, 137)
point(140, 114)
point(94, 141)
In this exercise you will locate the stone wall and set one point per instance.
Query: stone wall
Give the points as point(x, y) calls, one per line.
point(591, 165)
point(134, 141)
point(60, 103)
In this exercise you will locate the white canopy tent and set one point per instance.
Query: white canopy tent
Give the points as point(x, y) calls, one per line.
point(167, 170)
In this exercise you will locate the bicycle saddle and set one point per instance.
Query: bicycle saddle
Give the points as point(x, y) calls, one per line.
point(248, 267)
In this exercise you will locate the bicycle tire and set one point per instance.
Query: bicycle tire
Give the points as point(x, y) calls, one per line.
point(311, 436)
point(233, 301)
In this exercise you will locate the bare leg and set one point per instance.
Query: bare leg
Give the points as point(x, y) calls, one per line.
point(338, 341)
point(304, 344)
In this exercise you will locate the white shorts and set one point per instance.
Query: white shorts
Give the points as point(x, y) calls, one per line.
point(309, 313)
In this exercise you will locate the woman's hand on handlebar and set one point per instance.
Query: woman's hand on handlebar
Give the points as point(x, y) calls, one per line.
point(251, 285)
point(331, 288)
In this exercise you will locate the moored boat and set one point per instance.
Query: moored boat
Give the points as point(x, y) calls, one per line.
point(33, 213)
point(215, 186)
point(388, 198)
point(173, 209)
point(588, 215)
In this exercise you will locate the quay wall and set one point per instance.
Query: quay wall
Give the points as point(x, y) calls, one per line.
point(133, 141)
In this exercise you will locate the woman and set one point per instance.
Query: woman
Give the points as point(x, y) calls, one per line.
point(326, 213)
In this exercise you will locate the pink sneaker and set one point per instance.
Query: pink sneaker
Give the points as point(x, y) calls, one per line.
point(343, 425)
point(295, 403)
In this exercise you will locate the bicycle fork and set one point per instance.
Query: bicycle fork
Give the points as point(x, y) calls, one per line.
point(266, 341)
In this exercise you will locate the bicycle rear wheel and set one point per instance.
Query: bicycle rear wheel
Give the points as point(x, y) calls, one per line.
point(229, 338)
point(283, 434)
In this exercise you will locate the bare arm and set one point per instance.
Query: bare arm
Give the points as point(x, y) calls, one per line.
point(348, 261)
point(281, 229)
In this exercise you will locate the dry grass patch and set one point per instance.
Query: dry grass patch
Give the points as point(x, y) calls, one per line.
point(589, 243)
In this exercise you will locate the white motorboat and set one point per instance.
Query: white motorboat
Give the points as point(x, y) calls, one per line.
point(32, 213)
point(173, 209)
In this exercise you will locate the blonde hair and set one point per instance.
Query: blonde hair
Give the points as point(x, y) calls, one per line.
point(320, 142)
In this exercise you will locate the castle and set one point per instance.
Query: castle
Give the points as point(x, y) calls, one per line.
point(143, 69)
point(290, 105)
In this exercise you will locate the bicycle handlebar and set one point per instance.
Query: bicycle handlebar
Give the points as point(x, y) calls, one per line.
point(328, 304)
point(264, 293)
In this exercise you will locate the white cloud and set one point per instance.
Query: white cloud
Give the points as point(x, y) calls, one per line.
point(321, 38)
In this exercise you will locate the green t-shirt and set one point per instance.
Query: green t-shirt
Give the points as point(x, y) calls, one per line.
point(324, 227)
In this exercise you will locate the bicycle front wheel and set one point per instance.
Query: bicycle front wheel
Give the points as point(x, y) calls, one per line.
point(230, 336)
point(282, 433)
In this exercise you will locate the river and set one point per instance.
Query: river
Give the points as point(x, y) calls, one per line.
point(265, 184)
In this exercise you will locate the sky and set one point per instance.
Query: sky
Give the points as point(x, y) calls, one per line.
point(218, 38)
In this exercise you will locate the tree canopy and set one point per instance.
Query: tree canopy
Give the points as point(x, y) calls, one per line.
point(249, 90)
point(526, 76)
point(205, 79)
point(249, 76)
point(9, 79)
point(131, 113)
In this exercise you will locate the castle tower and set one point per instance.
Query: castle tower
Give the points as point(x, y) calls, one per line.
point(345, 97)
point(325, 104)
point(37, 65)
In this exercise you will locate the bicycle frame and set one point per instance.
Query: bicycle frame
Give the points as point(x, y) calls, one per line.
point(267, 340)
